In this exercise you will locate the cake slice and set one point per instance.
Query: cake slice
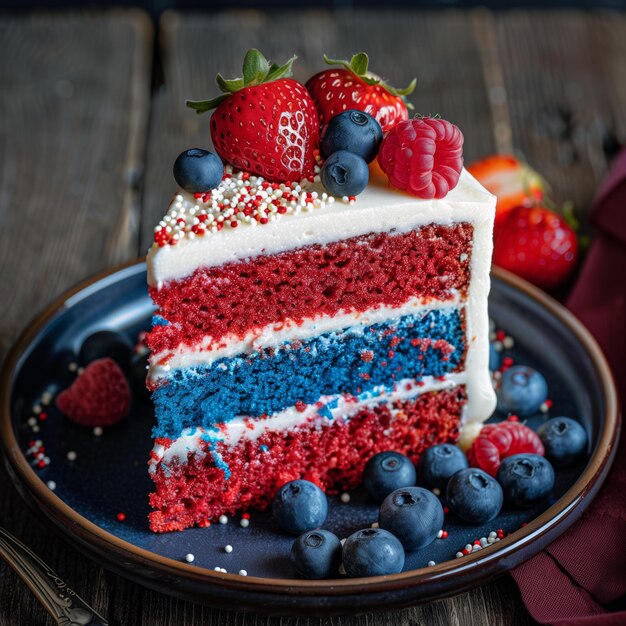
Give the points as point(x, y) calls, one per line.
point(296, 336)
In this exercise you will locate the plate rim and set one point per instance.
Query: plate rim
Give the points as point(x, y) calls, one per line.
point(56, 510)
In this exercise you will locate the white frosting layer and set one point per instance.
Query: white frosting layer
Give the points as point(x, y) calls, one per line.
point(377, 209)
point(273, 335)
point(342, 408)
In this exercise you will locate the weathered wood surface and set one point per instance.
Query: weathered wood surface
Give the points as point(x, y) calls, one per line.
point(74, 111)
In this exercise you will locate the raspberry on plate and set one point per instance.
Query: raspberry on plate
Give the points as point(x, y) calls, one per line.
point(100, 396)
point(423, 156)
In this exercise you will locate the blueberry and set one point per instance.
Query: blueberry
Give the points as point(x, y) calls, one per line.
point(106, 343)
point(372, 552)
point(525, 479)
point(564, 439)
point(344, 174)
point(198, 170)
point(522, 390)
point(300, 506)
point(355, 131)
point(414, 515)
point(316, 554)
point(495, 358)
point(474, 496)
point(438, 463)
point(387, 471)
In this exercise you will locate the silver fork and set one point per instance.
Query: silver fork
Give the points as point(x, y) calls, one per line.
point(62, 602)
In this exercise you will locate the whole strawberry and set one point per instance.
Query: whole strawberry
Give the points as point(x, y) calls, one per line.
point(536, 244)
point(423, 156)
point(354, 87)
point(100, 396)
point(264, 122)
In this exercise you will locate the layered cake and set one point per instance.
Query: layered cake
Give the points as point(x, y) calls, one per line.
point(298, 333)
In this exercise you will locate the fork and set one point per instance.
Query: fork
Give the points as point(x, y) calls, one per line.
point(63, 603)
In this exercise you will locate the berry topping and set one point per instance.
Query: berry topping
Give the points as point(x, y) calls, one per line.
point(354, 85)
point(100, 396)
point(512, 181)
point(106, 343)
point(498, 441)
point(387, 471)
point(372, 552)
point(316, 554)
point(536, 244)
point(564, 439)
point(198, 171)
point(474, 496)
point(414, 515)
point(300, 506)
point(438, 463)
point(423, 157)
point(264, 122)
point(525, 479)
point(354, 131)
point(522, 390)
point(344, 174)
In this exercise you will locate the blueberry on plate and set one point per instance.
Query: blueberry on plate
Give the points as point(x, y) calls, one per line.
point(316, 554)
point(198, 170)
point(564, 439)
point(355, 131)
point(344, 174)
point(522, 390)
point(106, 343)
point(300, 506)
point(372, 552)
point(414, 515)
point(387, 471)
point(525, 479)
point(495, 357)
point(474, 496)
point(438, 463)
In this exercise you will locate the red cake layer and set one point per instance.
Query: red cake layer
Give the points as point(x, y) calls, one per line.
point(351, 275)
point(331, 454)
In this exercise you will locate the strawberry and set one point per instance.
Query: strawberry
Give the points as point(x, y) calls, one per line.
point(100, 396)
point(512, 181)
point(264, 122)
point(353, 87)
point(536, 244)
point(499, 441)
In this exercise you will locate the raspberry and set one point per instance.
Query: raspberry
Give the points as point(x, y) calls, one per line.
point(499, 441)
point(423, 156)
point(100, 396)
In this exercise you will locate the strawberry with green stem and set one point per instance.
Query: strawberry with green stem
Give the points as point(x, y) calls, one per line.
point(354, 87)
point(264, 122)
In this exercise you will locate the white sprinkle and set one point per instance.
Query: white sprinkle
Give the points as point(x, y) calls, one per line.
point(228, 549)
point(468, 546)
point(544, 408)
point(436, 491)
point(32, 421)
point(498, 346)
point(459, 555)
point(508, 342)
point(37, 409)
point(476, 548)
point(46, 398)
point(431, 563)
point(71, 455)
point(242, 572)
point(80, 370)
point(345, 498)
point(35, 428)
point(375, 525)
point(483, 542)
point(244, 523)
point(342, 541)
point(97, 431)
point(217, 569)
point(223, 519)
point(440, 534)
point(51, 485)
point(189, 558)
point(463, 257)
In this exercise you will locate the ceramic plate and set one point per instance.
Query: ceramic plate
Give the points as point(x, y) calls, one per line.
point(109, 474)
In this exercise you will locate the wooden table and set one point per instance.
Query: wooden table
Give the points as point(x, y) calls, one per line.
point(92, 117)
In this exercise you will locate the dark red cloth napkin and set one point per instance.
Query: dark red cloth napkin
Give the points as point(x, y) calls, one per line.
point(580, 579)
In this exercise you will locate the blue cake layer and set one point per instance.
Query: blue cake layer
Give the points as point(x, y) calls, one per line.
point(354, 360)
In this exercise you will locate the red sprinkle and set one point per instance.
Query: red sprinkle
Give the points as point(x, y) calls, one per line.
point(121, 517)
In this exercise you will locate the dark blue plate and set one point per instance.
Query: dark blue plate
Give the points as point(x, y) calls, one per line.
point(109, 474)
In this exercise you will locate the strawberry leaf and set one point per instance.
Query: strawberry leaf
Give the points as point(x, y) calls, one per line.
point(359, 63)
point(202, 106)
point(255, 68)
point(280, 71)
point(229, 86)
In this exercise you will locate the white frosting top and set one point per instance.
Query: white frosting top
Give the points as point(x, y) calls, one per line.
point(378, 209)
